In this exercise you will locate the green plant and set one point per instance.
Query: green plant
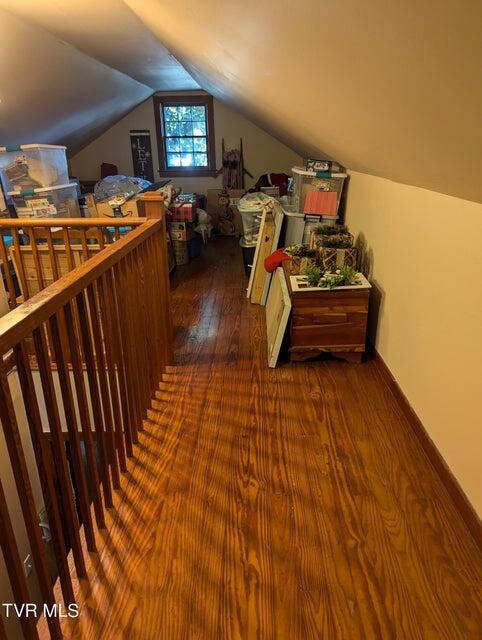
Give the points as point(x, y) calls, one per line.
point(313, 275)
point(343, 277)
point(300, 250)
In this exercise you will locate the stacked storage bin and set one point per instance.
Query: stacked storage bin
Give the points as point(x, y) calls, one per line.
point(35, 179)
point(181, 217)
point(315, 200)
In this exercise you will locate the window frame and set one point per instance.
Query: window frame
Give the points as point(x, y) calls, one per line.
point(185, 101)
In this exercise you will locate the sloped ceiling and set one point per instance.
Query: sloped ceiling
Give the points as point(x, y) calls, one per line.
point(387, 88)
point(69, 71)
point(108, 31)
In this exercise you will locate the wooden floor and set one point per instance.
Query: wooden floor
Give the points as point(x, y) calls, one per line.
point(292, 503)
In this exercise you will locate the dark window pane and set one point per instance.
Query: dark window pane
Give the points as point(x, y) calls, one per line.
point(199, 128)
point(172, 144)
point(186, 144)
point(200, 160)
point(170, 113)
point(186, 160)
point(199, 113)
point(172, 128)
point(173, 160)
point(200, 144)
point(185, 128)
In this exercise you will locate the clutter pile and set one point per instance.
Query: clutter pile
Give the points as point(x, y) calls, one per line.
point(189, 226)
point(35, 181)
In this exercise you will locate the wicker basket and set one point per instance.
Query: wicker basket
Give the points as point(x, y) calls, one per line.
point(298, 264)
point(329, 258)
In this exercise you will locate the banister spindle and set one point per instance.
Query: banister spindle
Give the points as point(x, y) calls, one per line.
point(14, 566)
point(129, 370)
point(58, 445)
point(12, 296)
point(27, 504)
point(112, 286)
point(59, 339)
point(107, 332)
point(44, 461)
point(20, 264)
point(101, 436)
point(82, 404)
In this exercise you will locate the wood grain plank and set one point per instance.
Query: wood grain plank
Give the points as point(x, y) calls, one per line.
point(291, 503)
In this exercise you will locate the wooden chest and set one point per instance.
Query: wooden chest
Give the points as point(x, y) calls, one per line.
point(328, 321)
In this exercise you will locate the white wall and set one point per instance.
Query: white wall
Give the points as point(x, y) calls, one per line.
point(426, 267)
point(262, 152)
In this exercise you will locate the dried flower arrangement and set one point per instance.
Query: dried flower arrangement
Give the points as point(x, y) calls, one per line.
point(333, 237)
point(300, 250)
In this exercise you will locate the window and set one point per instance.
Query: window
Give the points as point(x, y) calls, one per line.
point(185, 135)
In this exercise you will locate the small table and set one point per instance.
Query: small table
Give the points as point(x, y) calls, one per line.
point(327, 320)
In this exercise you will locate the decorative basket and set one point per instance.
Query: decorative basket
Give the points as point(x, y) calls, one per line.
point(329, 258)
point(333, 241)
point(298, 264)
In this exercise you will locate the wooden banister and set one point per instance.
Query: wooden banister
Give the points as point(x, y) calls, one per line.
point(28, 223)
point(106, 325)
point(15, 325)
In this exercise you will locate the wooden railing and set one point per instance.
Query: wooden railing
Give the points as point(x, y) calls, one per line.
point(43, 250)
point(107, 326)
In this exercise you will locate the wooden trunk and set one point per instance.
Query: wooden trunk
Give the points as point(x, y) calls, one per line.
point(324, 321)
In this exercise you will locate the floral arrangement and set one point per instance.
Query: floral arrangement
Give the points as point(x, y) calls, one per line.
point(344, 276)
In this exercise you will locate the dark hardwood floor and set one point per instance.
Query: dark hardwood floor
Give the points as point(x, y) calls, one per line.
point(285, 504)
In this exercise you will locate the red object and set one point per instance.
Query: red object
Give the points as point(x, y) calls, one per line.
point(272, 262)
point(185, 212)
point(107, 169)
point(321, 202)
point(279, 180)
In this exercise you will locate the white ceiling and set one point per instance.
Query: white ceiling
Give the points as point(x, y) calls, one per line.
point(387, 88)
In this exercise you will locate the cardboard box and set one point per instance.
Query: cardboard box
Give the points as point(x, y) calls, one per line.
point(223, 209)
point(180, 230)
point(133, 208)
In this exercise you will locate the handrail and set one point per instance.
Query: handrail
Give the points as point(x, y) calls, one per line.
point(106, 325)
point(36, 256)
point(6, 223)
point(22, 320)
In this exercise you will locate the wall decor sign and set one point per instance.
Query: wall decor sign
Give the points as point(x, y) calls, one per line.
point(142, 154)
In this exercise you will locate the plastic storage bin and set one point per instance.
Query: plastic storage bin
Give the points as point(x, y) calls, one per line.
point(250, 208)
point(248, 255)
point(194, 246)
point(297, 226)
point(49, 202)
point(33, 166)
point(305, 181)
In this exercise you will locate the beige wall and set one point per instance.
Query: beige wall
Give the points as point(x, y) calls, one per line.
point(262, 152)
point(426, 267)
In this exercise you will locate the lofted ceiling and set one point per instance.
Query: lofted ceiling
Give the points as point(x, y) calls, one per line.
point(111, 33)
point(387, 88)
point(70, 70)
